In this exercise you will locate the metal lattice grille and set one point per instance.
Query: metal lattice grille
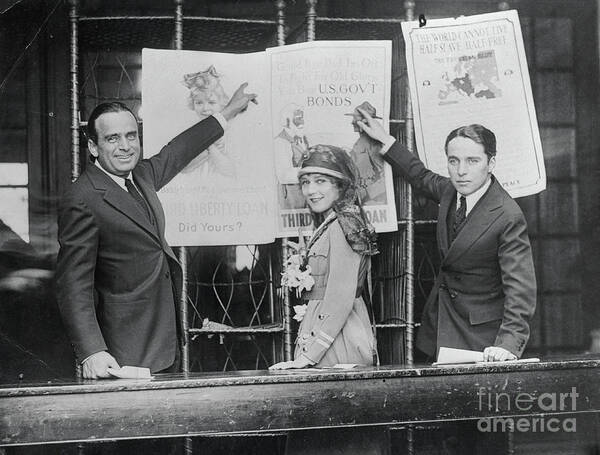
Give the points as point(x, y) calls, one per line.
point(246, 328)
point(234, 319)
point(129, 33)
point(349, 29)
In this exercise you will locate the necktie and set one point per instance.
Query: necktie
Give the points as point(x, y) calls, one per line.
point(138, 198)
point(461, 215)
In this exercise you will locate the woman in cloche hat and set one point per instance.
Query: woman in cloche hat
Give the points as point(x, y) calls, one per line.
point(335, 328)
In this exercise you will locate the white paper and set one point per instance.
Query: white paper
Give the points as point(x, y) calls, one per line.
point(473, 69)
point(453, 356)
point(130, 372)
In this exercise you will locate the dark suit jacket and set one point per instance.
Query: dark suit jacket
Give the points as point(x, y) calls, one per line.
point(485, 292)
point(117, 279)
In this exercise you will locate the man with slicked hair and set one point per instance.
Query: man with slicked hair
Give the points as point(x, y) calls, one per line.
point(118, 281)
point(485, 292)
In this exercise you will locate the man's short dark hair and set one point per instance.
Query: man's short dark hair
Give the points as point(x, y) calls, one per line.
point(477, 133)
point(103, 108)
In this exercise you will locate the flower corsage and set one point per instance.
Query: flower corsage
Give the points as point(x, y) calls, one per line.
point(297, 275)
point(300, 311)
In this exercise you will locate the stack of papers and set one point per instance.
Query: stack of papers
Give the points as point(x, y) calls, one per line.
point(128, 372)
point(453, 356)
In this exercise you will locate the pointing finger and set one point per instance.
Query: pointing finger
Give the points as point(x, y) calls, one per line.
point(243, 86)
point(240, 89)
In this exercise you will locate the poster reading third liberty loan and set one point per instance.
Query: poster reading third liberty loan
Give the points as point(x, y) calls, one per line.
point(315, 91)
point(473, 70)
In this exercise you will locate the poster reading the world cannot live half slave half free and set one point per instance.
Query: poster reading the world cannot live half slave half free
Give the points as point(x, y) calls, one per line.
point(244, 188)
point(473, 70)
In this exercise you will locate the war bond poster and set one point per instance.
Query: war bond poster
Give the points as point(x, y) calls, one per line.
point(224, 196)
point(244, 188)
point(474, 70)
point(316, 88)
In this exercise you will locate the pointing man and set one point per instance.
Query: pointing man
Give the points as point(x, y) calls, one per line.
point(118, 280)
point(485, 291)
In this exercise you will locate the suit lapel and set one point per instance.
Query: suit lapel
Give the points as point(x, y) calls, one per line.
point(153, 201)
point(442, 231)
point(156, 207)
point(481, 217)
point(120, 200)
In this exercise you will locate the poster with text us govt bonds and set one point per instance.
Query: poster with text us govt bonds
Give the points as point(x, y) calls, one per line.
point(316, 91)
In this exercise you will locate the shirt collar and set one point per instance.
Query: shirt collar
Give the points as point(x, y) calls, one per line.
point(117, 179)
point(474, 197)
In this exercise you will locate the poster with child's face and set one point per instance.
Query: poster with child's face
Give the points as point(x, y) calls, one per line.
point(224, 196)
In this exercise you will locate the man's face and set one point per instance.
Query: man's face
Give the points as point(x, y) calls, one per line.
point(468, 165)
point(118, 147)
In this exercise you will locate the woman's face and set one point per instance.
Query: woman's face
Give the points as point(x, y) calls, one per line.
point(320, 191)
point(206, 104)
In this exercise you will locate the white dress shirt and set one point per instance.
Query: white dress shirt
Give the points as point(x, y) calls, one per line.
point(474, 196)
point(118, 179)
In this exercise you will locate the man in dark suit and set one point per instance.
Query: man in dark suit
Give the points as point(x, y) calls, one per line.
point(118, 280)
point(485, 292)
